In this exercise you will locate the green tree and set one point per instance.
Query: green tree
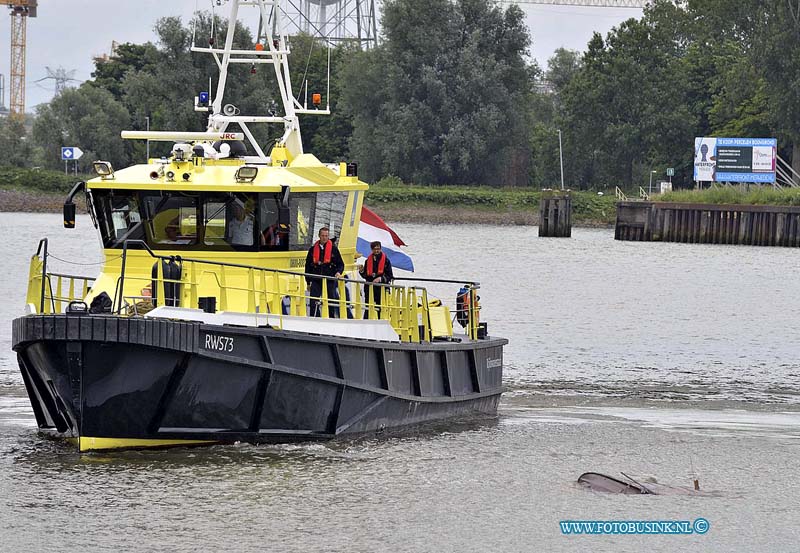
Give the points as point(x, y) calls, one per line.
point(562, 66)
point(87, 117)
point(778, 56)
point(15, 145)
point(110, 72)
point(626, 109)
point(443, 99)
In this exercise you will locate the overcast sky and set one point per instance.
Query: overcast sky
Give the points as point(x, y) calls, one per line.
point(68, 33)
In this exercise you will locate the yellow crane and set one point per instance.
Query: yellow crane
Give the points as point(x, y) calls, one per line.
point(21, 10)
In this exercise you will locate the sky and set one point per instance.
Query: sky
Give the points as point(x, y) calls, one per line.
point(69, 33)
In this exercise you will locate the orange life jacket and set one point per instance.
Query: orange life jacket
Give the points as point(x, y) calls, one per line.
point(463, 307)
point(381, 265)
point(328, 251)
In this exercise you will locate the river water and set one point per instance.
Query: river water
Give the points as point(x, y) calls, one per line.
point(662, 361)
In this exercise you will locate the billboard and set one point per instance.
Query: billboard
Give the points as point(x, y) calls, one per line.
point(735, 159)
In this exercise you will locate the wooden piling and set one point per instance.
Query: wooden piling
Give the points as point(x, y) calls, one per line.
point(756, 225)
point(555, 213)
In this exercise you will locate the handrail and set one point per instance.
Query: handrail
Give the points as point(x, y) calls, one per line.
point(401, 303)
point(47, 298)
point(271, 270)
point(390, 293)
point(44, 269)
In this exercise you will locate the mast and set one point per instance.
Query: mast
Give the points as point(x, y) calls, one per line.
point(273, 50)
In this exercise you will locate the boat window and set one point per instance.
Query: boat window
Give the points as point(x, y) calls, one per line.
point(301, 221)
point(330, 212)
point(272, 237)
point(310, 212)
point(229, 221)
point(171, 220)
point(118, 217)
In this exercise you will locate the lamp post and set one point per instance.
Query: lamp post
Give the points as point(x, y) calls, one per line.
point(147, 119)
point(650, 186)
point(561, 158)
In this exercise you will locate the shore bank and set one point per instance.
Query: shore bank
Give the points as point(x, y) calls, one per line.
point(19, 201)
point(24, 201)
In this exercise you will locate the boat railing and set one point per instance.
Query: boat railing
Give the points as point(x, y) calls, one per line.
point(52, 292)
point(468, 309)
point(408, 308)
point(282, 292)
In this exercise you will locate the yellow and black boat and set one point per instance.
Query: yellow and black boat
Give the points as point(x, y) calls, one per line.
point(197, 329)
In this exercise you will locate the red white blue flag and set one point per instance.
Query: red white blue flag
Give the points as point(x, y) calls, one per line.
point(373, 228)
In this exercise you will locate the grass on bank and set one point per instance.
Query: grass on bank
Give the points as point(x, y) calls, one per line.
point(38, 180)
point(753, 195)
point(586, 206)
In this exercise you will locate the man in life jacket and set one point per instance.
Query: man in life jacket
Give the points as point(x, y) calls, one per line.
point(324, 259)
point(377, 269)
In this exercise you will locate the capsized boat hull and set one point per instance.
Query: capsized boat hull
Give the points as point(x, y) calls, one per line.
point(133, 382)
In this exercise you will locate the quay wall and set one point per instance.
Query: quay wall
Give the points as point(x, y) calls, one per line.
point(753, 225)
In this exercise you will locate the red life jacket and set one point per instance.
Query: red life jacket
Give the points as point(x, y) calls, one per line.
point(371, 265)
point(328, 251)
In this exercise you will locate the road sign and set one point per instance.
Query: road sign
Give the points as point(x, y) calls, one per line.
point(670, 171)
point(71, 152)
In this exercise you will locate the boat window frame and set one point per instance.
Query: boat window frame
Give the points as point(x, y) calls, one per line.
point(147, 219)
point(307, 203)
point(229, 199)
point(103, 217)
point(267, 229)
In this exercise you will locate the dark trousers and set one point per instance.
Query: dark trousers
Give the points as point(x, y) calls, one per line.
point(316, 301)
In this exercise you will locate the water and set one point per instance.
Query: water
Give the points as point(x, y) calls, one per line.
point(653, 359)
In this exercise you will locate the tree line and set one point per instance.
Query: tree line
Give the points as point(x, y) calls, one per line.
point(451, 96)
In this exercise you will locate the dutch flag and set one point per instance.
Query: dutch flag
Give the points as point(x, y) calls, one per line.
point(373, 228)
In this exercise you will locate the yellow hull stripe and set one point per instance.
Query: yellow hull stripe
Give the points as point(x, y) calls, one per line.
point(91, 444)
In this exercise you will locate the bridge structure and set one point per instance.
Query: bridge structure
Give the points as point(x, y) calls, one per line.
point(357, 20)
point(587, 3)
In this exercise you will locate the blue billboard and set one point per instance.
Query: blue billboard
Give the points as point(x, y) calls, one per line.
point(735, 159)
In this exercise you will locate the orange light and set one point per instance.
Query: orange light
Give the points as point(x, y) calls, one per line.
point(316, 99)
point(259, 47)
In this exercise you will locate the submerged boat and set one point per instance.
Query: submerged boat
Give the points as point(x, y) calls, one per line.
point(197, 330)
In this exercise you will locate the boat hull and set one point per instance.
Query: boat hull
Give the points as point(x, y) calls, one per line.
point(136, 382)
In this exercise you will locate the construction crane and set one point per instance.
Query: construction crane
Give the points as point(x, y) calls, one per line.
point(21, 10)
